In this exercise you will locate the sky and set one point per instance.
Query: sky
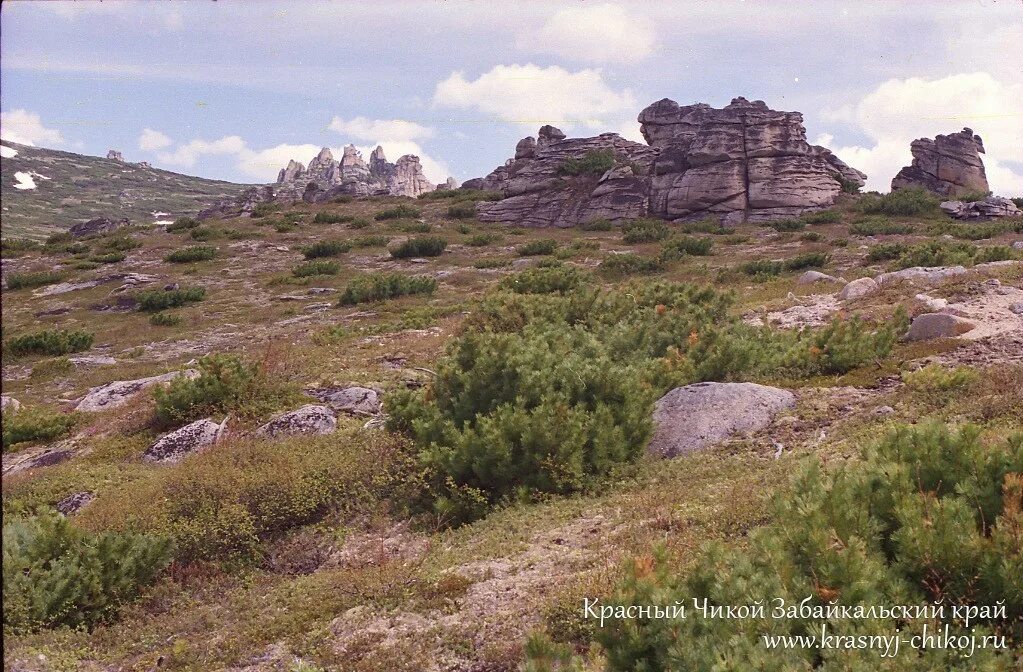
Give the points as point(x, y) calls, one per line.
point(234, 89)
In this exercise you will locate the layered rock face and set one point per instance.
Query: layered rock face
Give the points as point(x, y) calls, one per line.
point(992, 207)
point(948, 165)
point(538, 192)
point(326, 178)
point(742, 162)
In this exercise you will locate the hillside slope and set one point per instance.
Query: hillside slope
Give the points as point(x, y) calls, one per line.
point(56, 189)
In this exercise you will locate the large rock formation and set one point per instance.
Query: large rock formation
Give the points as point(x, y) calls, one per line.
point(326, 178)
point(541, 188)
point(992, 207)
point(948, 165)
point(742, 162)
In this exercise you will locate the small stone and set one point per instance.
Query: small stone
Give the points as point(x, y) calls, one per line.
point(1017, 308)
point(937, 325)
point(858, 288)
point(811, 277)
point(884, 410)
point(189, 439)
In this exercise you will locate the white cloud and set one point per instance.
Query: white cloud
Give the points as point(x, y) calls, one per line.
point(151, 140)
point(901, 110)
point(361, 128)
point(186, 155)
point(27, 128)
point(264, 164)
point(593, 33)
point(534, 95)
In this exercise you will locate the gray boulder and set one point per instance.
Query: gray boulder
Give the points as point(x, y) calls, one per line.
point(189, 439)
point(812, 277)
point(693, 417)
point(925, 274)
point(74, 502)
point(119, 392)
point(938, 325)
point(948, 165)
point(9, 404)
point(355, 400)
point(857, 288)
point(993, 207)
point(309, 419)
point(98, 225)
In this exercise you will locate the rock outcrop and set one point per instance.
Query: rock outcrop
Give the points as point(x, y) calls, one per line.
point(696, 416)
point(119, 392)
point(541, 189)
point(115, 155)
point(74, 502)
point(742, 162)
point(95, 226)
point(326, 178)
point(938, 325)
point(355, 400)
point(310, 419)
point(243, 204)
point(948, 165)
point(189, 439)
point(992, 207)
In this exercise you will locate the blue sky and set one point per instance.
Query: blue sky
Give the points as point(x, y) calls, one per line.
point(232, 90)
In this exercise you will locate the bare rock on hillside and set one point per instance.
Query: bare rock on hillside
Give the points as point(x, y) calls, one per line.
point(309, 419)
point(938, 325)
point(119, 392)
point(241, 205)
point(539, 192)
point(696, 416)
point(9, 404)
point(355, 400)
point(742, 162)
point(408, 178)
point(187, 440)
point(74, 502)
point(857, 288)
point(993, 207)
point(924, 274)
point(97, 225)
point(115, 155)
point(325, 179)
point(948, 165)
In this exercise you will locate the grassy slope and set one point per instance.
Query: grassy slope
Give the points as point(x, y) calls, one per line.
point(83, 187)
point(473, 591)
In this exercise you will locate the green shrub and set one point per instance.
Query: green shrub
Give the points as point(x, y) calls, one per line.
point(34, 424)
point(360, 223)
point(284, 226)
point(553, 280)
point(708, 225)
point(108, 258)
point(264, 209)
point(622, 265)
point(58, 575)
point(811, 237)
point(50, 342)
point(332, 218)
point(482, 239)
point(821, 217)
point(1018, 202)
point(164, 320)
point(539, 247)
point(190, 254)
point(369, 241)
point(13, 247)
point(318, 267)
point(33, 279)
point(399, 212)
point(464, 228)
point(972, 231)
point(118, 243)
point(787, 225)
point(326, 248)
point(676, 248)
point(936, 253)
point(973, 196)
point(879, 226)
point(995, 253)
point(461, 195)
point(382, 286)
point(762, 267)
point(226, 384)
point(593, 162)
point(937, 383)
point(344, 198)
point(806, 260)
point(463, 210)
point(155, 300)
point(848, 186)
point(886, 251)
point(598, 225)
point(644, 231)
point(204, 233)
point(901, 203)
point(182, 223)
point(420, 246)
point(928, 516)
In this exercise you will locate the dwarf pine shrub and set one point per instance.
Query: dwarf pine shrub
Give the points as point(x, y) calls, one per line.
point(482, 239)
point(462, 210)
point(928, 517)
point(821, 217)
point(204, 233)
point(35, 424)
point(411, 226)
point(399, 212)
point(332, 218)
point(912, 202)
point(382, 286)
point(644, 231)
point(32, 279)
point(164, 320)
point(326, 248)
point(189, 254)
point(108, 258)
point(552, 280)
point(539, 247)
point(708, 225)
point(598, 225)
point(420, 246)
point(886, 251)
point(787, 225)
point(594, 162)
point(50, 342)
point(155, 300)
point(676, 248)
point(316, 267)
point(181, 224)
point(57, 575)
point(622, 265)
point(369, 241)
point(879, 226)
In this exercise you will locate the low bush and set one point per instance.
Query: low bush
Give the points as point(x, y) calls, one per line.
point(32, 279)
point(972, 231)
point(35, 424)
point(886, 252)
point(811, 237)
point(539, 247)
point(50, 342)
point(399, 212)
point(164, 320)
point(622, 265)
point(332, 218)
point(708, 225)
point(108, 258)
point(326, 248)
point(928, 516)
point(181, 224)
point(204, 233)
point(482, 239)
point(461, 195)
point(915, 202)
point(765, 267)
point(491, 262)
point(121, 242)
point(936, 253)
point(190, 254)
point(421, 246)
point(1018, 202)
point(463, 210)
point(598, 225)
point(58, 575)
point(787, 225)
point(13, 247)
point(318, 267)
point(676, 248)
point(155, 300)
point(264, 209)
point(879, 226)
point(226, 384)
point(382, 286)
point(369, 241)
point(821, 217)
point(937, 383)
point(644, 231)
point(806, 260)
point(360, 223)
point(284, 226)
point(984, 255)
point(594, 162)
point(552, 280)
point(973, 196)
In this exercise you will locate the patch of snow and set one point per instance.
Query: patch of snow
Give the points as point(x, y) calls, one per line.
point(157, 213)
point(163, 222)
point(24, 181)
point(8, 152)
